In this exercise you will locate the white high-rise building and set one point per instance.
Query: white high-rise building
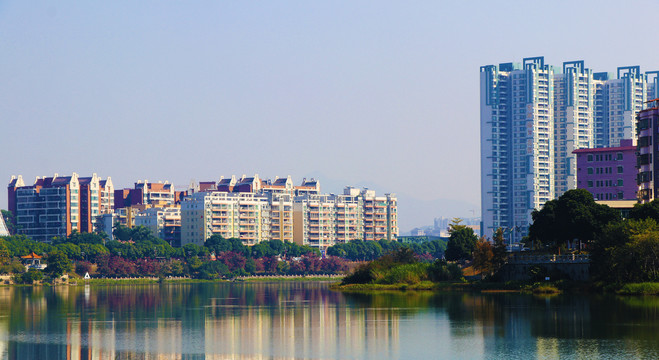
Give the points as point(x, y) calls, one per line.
point(574, 92)
point(533, 116)
point(517, 142)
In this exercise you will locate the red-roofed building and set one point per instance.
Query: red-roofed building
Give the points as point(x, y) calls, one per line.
point(56, 206)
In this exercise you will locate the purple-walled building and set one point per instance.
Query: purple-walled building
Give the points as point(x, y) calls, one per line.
point(608, 173)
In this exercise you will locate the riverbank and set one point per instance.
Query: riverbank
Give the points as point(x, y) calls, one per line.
point(187, 280)
point(75, 280)
point(539, 288)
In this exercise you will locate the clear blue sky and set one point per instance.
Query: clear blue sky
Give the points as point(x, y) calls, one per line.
point(375, 93)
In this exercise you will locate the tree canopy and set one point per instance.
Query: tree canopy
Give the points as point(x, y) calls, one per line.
point(573, 216)
point(627, 252)
point(461, 244)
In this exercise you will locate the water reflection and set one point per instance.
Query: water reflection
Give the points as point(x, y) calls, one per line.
point(306, 320)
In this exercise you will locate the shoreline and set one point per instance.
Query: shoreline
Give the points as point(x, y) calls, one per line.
point(182, 280)
point(541, 289)
point(538, 288)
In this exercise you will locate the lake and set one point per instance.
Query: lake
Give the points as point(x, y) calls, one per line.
point(306, 320)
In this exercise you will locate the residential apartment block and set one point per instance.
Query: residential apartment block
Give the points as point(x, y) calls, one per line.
point(533, 117)
point(145, 192)
point(255, 210)
point(608, 173)
point(231, 215)
point(56, 206)
point(648, 160)
point(163, 222)
point(248, 208)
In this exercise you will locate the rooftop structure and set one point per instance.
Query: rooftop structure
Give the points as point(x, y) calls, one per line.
point(145, 192)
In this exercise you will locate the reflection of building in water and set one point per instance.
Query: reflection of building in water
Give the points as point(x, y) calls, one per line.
point(101, 340)
point(257, 323)
point(300, 330)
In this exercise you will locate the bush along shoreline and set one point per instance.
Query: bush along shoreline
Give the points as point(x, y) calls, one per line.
point(401, 270)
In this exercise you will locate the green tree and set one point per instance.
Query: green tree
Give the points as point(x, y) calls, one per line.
point(456, 225)
point(645, 211)
point(218, 244)
point(461, 244)
point(28, 277)
point(250, 266)
point(58, 264)
point(626, 252)
point(71, 250)
point(194, 264)
point(121, 232)
point(499, 252)
point(404, 255)
point(5, 258)
point(573, 216)
point(213, 270)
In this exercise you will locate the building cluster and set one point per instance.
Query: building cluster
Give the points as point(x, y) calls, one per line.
point(248, 208)
point(546, 130)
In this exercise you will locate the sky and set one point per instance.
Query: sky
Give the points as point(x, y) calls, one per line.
point(381, 94)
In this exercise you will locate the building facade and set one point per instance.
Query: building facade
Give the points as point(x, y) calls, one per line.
point(608, 173)
point(648, 127)
point(257, 210)
point(517, 142)
point(147, 193)
point(163, 222)
point(245, 216)
point(56, 206)
point(533, 118)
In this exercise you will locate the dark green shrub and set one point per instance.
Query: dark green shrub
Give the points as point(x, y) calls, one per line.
point(29, 277)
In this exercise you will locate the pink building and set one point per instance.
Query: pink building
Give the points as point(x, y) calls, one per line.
point(608, 173)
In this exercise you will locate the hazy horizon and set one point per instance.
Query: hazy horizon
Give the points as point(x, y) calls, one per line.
point(375, 93)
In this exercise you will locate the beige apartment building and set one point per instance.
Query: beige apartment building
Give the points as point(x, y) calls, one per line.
point(164, 222)
point(231, 215)
point(256, 210)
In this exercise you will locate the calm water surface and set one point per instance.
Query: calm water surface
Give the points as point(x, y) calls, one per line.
point(308, 321)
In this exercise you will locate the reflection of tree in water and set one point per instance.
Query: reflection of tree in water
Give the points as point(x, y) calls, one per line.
point(508, 316)
point(406, 302)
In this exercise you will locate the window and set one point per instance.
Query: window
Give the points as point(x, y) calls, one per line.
point(620, 182)
point(590, 157)
point(590, 170)
point(620, 169)
point(619, 156)
point(590, 183)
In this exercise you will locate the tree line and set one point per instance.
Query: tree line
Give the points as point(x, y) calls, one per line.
point(622, 249)
point(136, 252)
point(358, 250)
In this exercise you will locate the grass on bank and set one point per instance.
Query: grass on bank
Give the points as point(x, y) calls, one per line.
point(646, 288)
